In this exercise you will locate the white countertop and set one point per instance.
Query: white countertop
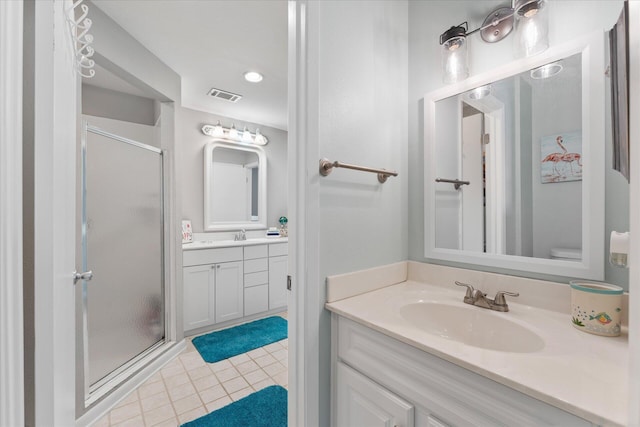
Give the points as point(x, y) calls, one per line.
point(207, 244)
point(583, 374)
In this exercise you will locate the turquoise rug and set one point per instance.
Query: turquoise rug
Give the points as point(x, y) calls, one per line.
point(264, 408)
point(230, 342)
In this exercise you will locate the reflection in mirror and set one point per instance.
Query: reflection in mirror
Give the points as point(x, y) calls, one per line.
point(525, 154)
point(235, 183)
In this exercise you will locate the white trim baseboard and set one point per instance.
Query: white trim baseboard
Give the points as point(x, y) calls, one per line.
point(11, 304)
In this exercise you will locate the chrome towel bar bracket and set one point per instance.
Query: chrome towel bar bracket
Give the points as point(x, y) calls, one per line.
point(326, 166)
point(456, 182)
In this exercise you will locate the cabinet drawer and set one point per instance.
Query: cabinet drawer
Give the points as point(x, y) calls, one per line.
point(255, 279)
point(276, 249)
point(257, 251)
point(254, 265)
point(256, 299)
point(211, 256)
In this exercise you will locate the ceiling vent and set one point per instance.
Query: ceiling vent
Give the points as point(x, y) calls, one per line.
point(223, 94)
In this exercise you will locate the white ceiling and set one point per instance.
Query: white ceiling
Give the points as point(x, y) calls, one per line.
point(212, 43)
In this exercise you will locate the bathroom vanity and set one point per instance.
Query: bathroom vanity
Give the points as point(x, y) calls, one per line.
point(227, 282)
point(406, 351)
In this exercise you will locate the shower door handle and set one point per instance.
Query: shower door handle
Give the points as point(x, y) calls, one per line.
point(87, 275)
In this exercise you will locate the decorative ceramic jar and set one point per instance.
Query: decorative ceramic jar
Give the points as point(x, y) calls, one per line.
point(596, 307)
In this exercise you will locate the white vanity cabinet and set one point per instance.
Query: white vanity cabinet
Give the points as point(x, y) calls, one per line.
point(278, 268)
point(212, 282)
point(227, 285)
point(378, 380)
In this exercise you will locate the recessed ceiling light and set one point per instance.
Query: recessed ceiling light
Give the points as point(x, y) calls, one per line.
point(546, 71)
point(253, 76)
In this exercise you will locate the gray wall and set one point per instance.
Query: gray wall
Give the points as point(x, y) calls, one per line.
point(427, 20)
point(361, 87)
point(191, 151)
point(100, 102)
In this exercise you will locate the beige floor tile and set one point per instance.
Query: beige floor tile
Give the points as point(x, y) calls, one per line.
point(175, 370)
point(241, 393)
point(192, 414)
point(186, 404)
point(257, 353)
point(265, 360)
point(213, 393)
point(217, 404)
point(241, 358)
point(270, 348)
point(176, 380)
point(227, 374)
point(262, 384)
point(131, 422)
point(221, 365)
point(200, 372)
point(155, 401)
point(285, 342)
point(280, 354)
point(246, 367)
point(235, 384)
point(193, 362)
point(285, 362)
point(274, 368)
point(102, 422)
point(131, 398)
point(175, 363)
point(205, 382)
point(256, 376)
point(181, 391)
point(154, 378)
point(125, 412)
point(282, 378)
point(147, 390)
point(171, 422)
point(158, 415)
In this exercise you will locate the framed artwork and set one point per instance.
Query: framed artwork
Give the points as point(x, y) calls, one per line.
point(561, 157)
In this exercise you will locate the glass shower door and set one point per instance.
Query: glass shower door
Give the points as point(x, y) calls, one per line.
point(122, 244)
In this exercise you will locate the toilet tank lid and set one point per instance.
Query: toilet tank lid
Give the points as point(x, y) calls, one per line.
point(570, 253)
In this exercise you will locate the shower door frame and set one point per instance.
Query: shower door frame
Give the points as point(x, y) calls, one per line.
point(93, 393)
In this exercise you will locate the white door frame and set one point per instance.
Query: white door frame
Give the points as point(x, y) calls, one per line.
point(11, 323)
point(55, 108)
point(634, 217)
point(307, 296)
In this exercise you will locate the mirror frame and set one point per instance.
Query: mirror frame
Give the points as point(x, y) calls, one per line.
point(593, 136)
point(209, 223)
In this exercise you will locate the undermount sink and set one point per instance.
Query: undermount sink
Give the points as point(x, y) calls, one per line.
point(472, 326)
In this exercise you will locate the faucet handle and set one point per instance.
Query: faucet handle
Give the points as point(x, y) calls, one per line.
point(470, 288)
point(499, 299)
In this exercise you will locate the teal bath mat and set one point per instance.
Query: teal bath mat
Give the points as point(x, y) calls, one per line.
point(230, 342)
point(264, 408)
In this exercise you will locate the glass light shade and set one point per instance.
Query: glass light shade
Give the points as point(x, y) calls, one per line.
point(217, 129)
point(246, 135)
point(233, 132)
point(532, 27)
point(260, 138)
point(454, 60)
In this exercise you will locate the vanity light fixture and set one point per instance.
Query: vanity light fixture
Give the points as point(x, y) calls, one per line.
point(531, 23)
point(480, 92)
point(233, 136)
point(253, 76)
point(546, 71)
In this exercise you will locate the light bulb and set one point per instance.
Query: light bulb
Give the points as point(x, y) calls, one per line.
point(259, 138)
point(246, 135)
point(253, 76)
point(233, 132)
point(217, 129)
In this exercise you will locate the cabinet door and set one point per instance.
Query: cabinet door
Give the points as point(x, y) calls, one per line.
point(361, 402)
point(229, 301)
point(199, 296)
point(277, 282)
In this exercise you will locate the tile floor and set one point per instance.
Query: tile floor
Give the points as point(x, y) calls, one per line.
point(188, 387)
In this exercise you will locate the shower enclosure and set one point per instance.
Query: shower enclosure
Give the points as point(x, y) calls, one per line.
point(121, 308)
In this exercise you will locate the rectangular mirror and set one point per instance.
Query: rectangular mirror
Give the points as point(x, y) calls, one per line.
point(235, 184)
point(514, 165)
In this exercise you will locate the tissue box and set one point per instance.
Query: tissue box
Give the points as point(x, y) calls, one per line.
point(596, 307)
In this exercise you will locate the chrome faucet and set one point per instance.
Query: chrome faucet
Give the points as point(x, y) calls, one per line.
point(478, 298)
point(240, 235)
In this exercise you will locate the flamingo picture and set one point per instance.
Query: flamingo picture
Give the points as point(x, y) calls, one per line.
point(561, 164)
